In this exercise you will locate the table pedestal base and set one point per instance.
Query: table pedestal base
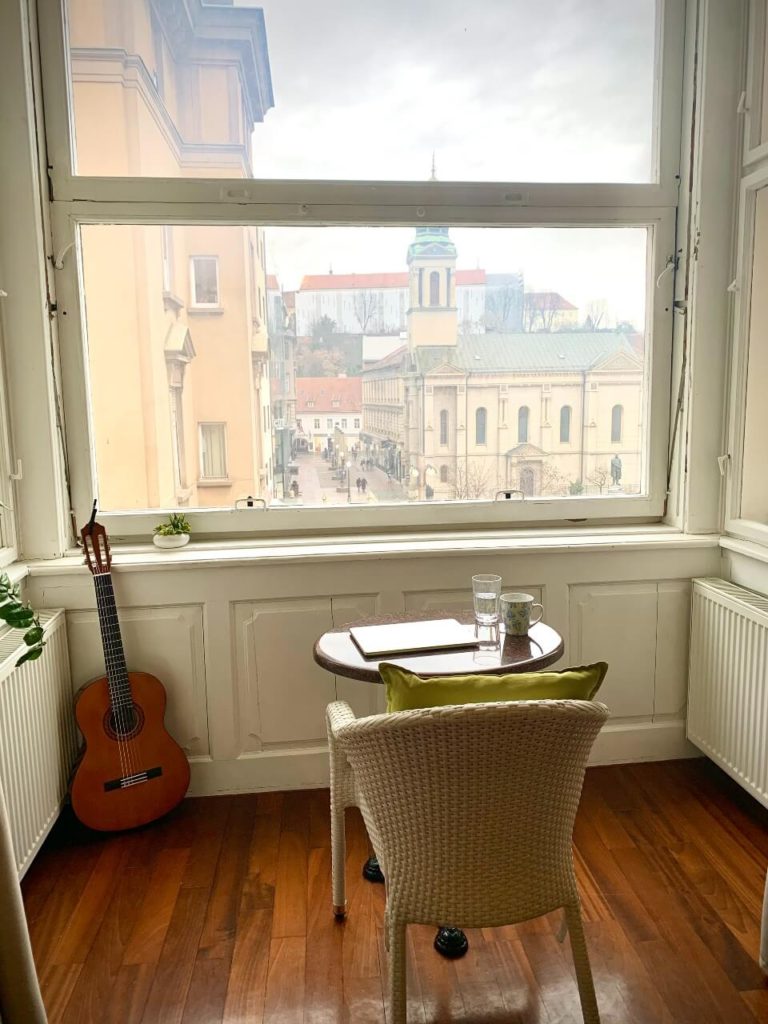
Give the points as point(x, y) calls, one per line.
point(371, 870)
point(451, 943)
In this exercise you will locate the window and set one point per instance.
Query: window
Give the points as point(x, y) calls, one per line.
point(343, 424)
point(522, 424)
point(213, 451)
point(193, 166)
point(565, 424)
point(443, 474)
point(205, 281)
point(617, 418)
point(481, 422)
point(434, 288)
point(444, 426)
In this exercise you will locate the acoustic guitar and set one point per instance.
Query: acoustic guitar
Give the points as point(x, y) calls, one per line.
point(131, 771)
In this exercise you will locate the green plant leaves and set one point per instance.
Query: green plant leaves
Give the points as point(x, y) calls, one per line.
point(21, 616)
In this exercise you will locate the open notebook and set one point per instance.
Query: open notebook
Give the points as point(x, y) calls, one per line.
point(405, 637)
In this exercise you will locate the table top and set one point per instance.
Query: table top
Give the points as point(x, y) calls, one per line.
point(337, 652)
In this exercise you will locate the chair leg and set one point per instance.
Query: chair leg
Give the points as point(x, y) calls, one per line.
point(338, 861)
point(397, 972)
point(584, 978)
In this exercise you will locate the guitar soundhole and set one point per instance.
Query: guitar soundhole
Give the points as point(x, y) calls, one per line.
point(124, 723)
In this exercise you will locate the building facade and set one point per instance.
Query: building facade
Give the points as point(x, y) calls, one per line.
point(457, 415)
point(176, 315)
point(329, 413)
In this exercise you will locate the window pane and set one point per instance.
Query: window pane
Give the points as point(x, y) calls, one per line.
point(498, 90)
point(198, 406)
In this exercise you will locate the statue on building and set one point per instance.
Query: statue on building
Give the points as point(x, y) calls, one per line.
point(616, 470)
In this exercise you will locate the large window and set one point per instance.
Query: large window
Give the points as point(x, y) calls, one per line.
point(401, 308)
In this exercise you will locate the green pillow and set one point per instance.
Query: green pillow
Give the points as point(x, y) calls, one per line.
point(406, 691)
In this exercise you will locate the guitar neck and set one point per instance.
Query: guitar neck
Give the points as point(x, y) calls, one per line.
point(111, 639)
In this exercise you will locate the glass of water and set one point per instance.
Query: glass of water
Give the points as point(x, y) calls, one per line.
point(486, 590)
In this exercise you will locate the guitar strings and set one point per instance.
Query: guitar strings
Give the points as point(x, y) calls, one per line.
point(117, 715)
point(117, 675)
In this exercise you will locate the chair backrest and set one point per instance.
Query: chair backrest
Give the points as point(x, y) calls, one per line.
point(471, 809)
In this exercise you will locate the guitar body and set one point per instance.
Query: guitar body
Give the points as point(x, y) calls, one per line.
point(132, 771)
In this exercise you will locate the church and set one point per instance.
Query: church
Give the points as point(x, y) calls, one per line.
point(459, 415)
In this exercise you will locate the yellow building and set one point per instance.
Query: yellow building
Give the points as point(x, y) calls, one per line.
point(176, 315)
point(458, 415)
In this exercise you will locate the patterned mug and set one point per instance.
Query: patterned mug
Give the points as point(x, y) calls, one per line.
point(516, 613)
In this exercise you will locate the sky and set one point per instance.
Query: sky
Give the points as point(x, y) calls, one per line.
point(497, 90)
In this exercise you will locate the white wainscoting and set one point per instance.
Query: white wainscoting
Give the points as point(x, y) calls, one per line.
point(232, 640)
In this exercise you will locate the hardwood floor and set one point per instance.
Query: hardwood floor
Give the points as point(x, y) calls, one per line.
point(221, 913)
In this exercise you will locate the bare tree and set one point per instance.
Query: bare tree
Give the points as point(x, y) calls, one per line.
point(473, 479)
point(501, 303)
point(366, 307)
point(599, 478)
point(552, 481)
point(597, 315)
point(540, 311)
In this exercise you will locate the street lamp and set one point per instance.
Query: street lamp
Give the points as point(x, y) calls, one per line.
point(348, 465)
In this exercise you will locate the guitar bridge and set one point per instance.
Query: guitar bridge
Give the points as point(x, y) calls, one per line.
point(132, 780)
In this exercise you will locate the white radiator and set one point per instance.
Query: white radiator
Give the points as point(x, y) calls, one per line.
point(728, 681)
point(38, 740)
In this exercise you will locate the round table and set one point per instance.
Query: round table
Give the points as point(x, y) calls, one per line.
point(337, 652)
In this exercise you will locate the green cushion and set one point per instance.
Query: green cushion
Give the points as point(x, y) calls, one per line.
point(406, 691)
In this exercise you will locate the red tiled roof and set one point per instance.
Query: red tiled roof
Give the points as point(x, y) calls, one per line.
point(547, 301)
point(273, 285)
point(321, 282)
point(324, 391)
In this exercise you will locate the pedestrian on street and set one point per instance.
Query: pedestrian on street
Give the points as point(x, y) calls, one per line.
point(358, 482)
point(363, 484)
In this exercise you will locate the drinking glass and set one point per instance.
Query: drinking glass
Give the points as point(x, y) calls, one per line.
point(486, 590)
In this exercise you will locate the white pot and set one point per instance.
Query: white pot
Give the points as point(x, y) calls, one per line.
point(173, 540)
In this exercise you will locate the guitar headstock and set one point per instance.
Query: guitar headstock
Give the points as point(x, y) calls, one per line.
point(96, 546)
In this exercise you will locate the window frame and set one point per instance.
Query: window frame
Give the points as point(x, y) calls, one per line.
point(78, 200)
point(194, 305)
point(755, 149)
point(208, 481)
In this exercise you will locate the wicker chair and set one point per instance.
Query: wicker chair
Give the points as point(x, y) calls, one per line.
point(470, 811)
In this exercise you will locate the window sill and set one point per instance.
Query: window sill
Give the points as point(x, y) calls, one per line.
point(223, 482)
point(242, 553)
point(205, 310)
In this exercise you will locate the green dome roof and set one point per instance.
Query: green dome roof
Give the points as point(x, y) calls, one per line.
point(430, 242)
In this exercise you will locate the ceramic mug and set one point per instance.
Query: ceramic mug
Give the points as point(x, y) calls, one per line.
point(516, 613)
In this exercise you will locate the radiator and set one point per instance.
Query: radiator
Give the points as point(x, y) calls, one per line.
point(38, 740)
point(728, 681)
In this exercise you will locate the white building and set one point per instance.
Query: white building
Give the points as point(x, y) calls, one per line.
point(325, 405)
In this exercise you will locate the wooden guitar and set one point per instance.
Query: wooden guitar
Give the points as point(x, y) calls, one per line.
point(131, 771)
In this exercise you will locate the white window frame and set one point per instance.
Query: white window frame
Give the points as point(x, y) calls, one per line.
point(193, 301)
point(752, 103)
point(78, 200)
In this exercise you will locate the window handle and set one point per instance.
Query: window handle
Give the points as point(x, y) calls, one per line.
point(249, 502)
point(507, 494)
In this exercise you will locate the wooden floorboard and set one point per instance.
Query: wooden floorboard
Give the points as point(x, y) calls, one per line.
point(221, 914)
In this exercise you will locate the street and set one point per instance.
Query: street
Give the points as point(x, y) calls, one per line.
point(319, 483)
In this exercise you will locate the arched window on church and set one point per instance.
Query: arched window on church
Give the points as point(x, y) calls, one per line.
point(565, 424)
point(444, 426)
point(481, 425)
point(434, 288)
point(443, 474)
point(617, 417)
point(522, 424)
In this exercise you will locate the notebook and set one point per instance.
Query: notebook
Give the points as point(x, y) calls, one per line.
point(405, 637)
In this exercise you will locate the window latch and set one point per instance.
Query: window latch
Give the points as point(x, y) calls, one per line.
point(250, 502)
point(507, 494)
point(19, 474)
point(722, 463)
point(741, 106)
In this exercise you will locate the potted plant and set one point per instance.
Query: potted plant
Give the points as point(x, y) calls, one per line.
point(174, 533)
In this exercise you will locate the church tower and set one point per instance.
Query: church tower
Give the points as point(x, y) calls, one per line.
point(432, 312)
